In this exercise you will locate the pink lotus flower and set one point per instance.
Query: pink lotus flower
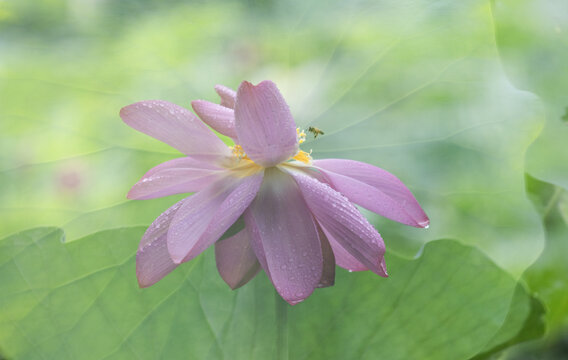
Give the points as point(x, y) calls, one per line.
point(299, 220)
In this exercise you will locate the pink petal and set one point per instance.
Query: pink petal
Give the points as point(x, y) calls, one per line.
point(284, 237)
point(153, 260)
point(328, 271)
point(227, 95)
point(174, 125)
point(205, 216)
point(345, 259)
point(236, 261)
point(374, 189)
point(383, 266)
point(178, 176)
point(340, 220)
point(265, 127)
point(218, 117)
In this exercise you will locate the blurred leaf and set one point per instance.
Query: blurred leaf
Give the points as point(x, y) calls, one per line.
point(531, 36)
point(524, 322)
point(85, 193)
point(80, 300)
point(547, 276)
point(532, 40)
point(547, 158)
point(553, 350)
point(563, 206)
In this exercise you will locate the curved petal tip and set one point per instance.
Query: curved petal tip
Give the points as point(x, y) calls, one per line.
point(227, 96)
point(424, 224)
point(383, 267)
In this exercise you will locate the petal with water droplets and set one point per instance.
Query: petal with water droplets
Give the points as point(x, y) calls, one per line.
point(342, 221)
point(206, 215)
point(284, 237)
point(220, 118)
point(178, 176)
point(264, 124)
point(374, 189)
point(227, 95)
point(174, 125)
point(153, 260)
point(345, 259)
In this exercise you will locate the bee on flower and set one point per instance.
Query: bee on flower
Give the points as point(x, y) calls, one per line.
point(298, 214)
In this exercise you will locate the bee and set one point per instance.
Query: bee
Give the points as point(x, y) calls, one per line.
point(315, 131)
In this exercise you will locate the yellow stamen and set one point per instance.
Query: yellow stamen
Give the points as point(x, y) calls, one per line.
point(241, 165)
point(240, 154)
point(303, 157)
point(238, 151)
point(301, 135)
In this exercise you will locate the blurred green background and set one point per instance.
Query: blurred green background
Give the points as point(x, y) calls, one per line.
point(466, 102)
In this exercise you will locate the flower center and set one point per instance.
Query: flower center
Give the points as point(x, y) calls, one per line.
point(301, 156)
point(238, 152)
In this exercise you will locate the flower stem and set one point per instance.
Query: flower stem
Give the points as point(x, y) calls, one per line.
point(281, 327)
